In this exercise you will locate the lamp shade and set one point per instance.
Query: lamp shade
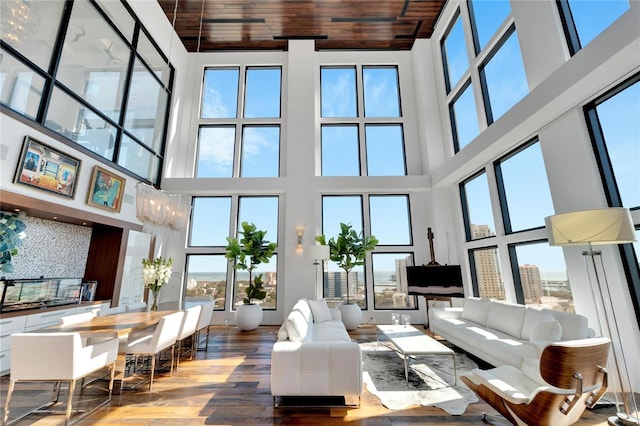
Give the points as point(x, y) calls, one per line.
point(612, 225)
point(318, 252)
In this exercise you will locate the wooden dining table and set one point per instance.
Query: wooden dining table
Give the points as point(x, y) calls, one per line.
point(116, 325)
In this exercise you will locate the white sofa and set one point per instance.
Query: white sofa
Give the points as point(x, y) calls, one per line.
point(503, 333)
point(314, 355)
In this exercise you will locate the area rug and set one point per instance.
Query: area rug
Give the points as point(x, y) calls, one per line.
point(430, 379)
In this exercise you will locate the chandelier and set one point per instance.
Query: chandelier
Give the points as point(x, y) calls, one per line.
point(162, 215)
point(17, 21)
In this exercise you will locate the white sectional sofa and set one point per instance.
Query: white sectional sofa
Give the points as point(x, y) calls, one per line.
point(505, 334)
point(314, 355)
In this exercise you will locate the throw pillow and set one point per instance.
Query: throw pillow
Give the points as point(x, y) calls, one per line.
point(320, 310)
point(297, 326)
point(546, 330)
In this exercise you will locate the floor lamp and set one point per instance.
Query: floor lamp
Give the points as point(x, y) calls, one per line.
point(319, 254)
point(598, 227)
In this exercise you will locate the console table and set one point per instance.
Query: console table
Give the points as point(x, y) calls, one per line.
point(411, 342)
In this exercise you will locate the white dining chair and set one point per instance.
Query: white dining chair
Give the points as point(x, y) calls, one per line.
point(77, 318)
point(66, 359)
point(164, 336)
point(111, 311)
point(188, 329)
point(135, 306)
point(204, 321)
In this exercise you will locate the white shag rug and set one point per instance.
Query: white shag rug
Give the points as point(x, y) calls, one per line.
point(430, 379)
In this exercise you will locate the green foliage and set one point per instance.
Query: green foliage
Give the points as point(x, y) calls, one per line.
point(11, 235)
point(247, 253)
point(348, 249)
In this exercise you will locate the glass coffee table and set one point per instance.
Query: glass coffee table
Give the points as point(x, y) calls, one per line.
point(411, 342)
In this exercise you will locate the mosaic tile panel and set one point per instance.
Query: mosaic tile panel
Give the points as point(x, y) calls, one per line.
point(51, 249)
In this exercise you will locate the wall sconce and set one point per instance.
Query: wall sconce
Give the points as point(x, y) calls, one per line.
point(299, 234)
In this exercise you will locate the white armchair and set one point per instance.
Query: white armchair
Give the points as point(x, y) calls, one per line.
point(67, 360)
point(135, 306)
point(77, 318)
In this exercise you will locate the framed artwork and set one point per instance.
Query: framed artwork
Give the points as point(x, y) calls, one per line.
point(46, 168)
point(106, 190)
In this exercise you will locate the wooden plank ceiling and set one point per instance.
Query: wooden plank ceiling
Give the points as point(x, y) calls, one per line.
point(333, 24)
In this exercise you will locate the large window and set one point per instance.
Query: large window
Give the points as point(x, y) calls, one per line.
point(496, 69)
point(486, 273)
point(541, 276)
point(387, 219)
point(615, 132)
point(476, 206)
point(108, 89)
point(367, 141)
point(209, 273)
point(524, 188)
point(585, 20)
point(538, 272)
point(231, 144)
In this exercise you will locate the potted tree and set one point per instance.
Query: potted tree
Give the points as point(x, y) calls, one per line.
point(348, 250)
point(246, 254)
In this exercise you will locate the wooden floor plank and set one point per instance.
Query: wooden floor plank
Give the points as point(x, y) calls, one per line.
point(230, 385)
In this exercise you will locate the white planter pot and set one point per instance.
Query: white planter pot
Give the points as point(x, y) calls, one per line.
point(248, 317)
point(351, 315)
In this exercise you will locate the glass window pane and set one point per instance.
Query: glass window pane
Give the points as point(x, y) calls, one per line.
point(220, 93)
point(269, 278)
point(390, 219)
point(381, 92)
point(138, 159)
point(385, 150)
point(335, 285)
point(210, 220)
point(390, 281)
point(207, 276)
point(618, 118)
point(338, 92)
point(262, 99)
point(147, 107)
point(262, 212)
point(479, 213)
point(116, 11)
point(215, 151)
point(526, 189)
point(487, 275)
point(464, 118)
point(487, 17)
point(454, 54)
point(153, 58)
point(260, 151)
point(73, 120)
point(594, 16)
point(31, 28)
point(505, 78)
point(94, 66)
point(20, 88)
point(338, 209)
point(340, 152)
point(543, 275)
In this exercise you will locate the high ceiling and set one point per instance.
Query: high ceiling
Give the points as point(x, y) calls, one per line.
point(333, 24)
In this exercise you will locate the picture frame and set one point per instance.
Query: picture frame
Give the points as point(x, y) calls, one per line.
point(43, 167)
point(106, 190)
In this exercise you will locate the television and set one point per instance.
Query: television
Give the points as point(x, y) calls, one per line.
point(435, 281)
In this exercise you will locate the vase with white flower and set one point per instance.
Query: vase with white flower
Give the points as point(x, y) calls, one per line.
point(155, 274)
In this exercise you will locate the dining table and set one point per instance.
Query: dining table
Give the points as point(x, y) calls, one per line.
point(115, 325)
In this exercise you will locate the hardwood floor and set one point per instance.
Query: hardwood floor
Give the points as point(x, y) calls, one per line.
point(229, 385)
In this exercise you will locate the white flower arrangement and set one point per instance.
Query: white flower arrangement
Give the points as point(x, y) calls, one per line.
point(156, 273)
